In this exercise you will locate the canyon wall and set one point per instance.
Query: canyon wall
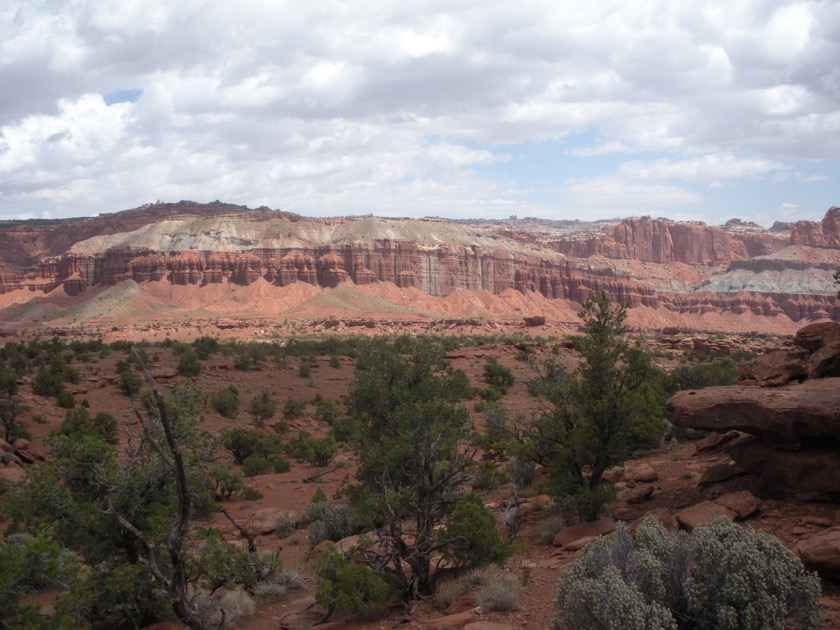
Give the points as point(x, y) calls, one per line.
point(41, 256)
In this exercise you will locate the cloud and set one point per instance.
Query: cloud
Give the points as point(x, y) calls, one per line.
point(314, 105)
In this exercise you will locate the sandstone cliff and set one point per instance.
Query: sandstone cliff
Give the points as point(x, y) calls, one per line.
point(743, 268)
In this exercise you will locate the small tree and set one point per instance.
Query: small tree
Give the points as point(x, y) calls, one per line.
point(11, 408)
point(262, 409)
point(595, 416)
point(411, 440)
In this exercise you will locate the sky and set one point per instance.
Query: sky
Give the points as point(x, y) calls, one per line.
point(561, 109)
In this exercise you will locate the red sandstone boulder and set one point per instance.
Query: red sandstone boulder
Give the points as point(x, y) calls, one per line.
point(821, 553)
point(743, 503)
point(570, 535)
point(811, 470)
point(768, 413)
point(704, 513)
point(774, 369)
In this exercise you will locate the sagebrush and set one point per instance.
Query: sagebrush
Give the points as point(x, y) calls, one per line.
point(721, 577)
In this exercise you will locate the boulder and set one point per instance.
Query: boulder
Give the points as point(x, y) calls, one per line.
point(720, 472)
point(767, 413)
point(810, 470)
point(821, 553)
point(661, 514)
point(814, 337)
point(570, 535)
point(641, 473)
point(637, 495)
point(704, 513)
point(717, 441)
point(774, 368)
point(12, 474)
point(743, 503)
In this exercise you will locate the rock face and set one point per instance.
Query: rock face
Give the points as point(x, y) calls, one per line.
point(824, 234)
point(199, 244)
point(656, 241)
point(795, 426)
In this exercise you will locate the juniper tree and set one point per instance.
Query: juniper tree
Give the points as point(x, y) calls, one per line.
point(412, 440)
point(593, 417)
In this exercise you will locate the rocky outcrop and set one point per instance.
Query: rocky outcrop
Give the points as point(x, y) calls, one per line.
point(825, 234)
point(653, 240)
point(789, 403)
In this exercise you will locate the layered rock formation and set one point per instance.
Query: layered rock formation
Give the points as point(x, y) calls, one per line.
point(657, 241)
point(193, 244)
point(786, 406)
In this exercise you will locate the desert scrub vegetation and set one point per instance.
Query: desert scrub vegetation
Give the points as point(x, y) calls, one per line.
point(500, 589)
point(720, 577)
point(226, 401)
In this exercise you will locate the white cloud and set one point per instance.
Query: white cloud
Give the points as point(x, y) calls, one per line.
point(324, 103)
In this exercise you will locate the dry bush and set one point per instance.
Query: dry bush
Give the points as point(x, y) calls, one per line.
point(548, 528)
point(235, 605)
point(500, 591)
point(286, 524)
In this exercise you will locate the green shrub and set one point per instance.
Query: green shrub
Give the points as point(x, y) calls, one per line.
point(225, 481)
point(327, 411)
point(335, 362)
point(701, 375)
point(251, 494)
point(47, 383)
point(78, 422)
point(243, 362)
point(720, 577)
point(243, 443)
point(313, 450)
point(220, 564)
point(497, 375)
point(292, 409)
point(226, 401)
point(305, 369)
point(262, 408)
point(474, 537)
point(189, 363)
point(487, 476)
point(130, 383)
point(326, 522)
point(346, 586)
point(205, 346)
point(279, 465)
point(254, 465)
point(65, 400)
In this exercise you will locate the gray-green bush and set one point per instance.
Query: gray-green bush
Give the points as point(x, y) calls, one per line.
point(721, 577)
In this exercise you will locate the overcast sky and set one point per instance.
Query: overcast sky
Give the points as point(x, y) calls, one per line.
point(561, 109)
